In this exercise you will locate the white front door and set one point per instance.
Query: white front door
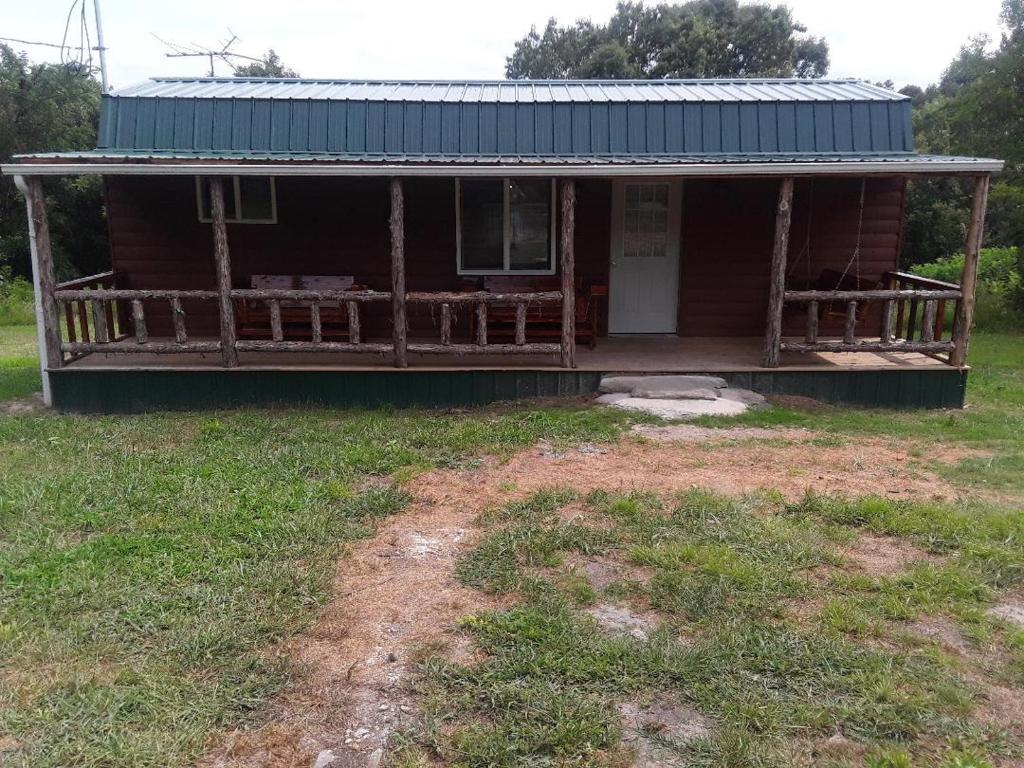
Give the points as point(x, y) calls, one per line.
point(644, 285)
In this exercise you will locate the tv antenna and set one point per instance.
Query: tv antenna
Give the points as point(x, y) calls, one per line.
point(192, 50)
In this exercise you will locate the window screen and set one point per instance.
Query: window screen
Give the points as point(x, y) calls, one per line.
point(530, 216)
point(505, 225)
point(483, 224)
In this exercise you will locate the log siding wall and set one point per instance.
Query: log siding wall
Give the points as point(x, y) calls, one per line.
point(340, 226)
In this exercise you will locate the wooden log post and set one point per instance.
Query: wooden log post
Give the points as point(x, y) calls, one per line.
point(178, 317)
point(44, 279)
point(99, 322)
point(568, 265)
point(780, 247)
point(276, 332)
point(850, 331)
point(812, 322)
point(316, 329)
point(969, 276)
point(928, 322)
point(138, 322)
point(400, 332)
point(520, 322)
point(481, 324)
point(222, 258)
point(354, 330)
point(885, 335)
point(446, 325)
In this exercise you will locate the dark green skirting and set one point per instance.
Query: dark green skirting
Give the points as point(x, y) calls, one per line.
point(128, 391)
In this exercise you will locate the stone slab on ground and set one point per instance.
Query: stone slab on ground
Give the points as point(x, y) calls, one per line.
point(681, 409)
point(667, 392)
point(650, 727)
point(748, 397)
point(613, 384)
point(1011, 612)
point(621, 621)
point(679, 383)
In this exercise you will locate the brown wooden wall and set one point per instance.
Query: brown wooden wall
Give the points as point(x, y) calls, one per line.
point(727, 238)
point(340, 226)
point(325, 226)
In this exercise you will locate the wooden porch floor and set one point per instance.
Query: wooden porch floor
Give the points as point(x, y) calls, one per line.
point(625, 354)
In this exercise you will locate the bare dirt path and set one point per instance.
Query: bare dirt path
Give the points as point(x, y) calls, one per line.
point(397, 592)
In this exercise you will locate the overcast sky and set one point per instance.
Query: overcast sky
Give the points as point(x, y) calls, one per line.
point(908, 41)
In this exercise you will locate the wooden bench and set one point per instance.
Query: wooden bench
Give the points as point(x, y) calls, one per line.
point(543, 321)
point(253, 317)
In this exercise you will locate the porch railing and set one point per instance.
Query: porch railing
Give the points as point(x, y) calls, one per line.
point(479, 301)
point(111, 330)
point(913, 316)
point(101, 317)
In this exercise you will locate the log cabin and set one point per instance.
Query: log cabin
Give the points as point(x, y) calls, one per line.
point(438, 243)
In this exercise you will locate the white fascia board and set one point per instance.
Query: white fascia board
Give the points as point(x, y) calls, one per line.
point(327, 168)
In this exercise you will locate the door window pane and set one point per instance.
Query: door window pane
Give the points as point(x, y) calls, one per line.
point(482, 220)
point(645, 225)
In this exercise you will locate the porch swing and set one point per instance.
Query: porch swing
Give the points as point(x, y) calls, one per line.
point(832, 279)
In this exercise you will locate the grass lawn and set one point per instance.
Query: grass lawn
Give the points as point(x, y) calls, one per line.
point(754, 619)
point(148, 563)
point(19, 365)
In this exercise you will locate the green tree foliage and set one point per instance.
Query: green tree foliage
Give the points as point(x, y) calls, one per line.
point(700, 38)
point(269, 66)
point(977, 108)
point(47, 107)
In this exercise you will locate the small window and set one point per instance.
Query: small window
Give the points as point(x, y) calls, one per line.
point(645, 226)
point(247, 199)
point(505, 226)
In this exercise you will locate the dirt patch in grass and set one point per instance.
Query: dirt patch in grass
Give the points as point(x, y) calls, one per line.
point(652, 728)
point(21, 406)
point(601, 571)
point(883, 555)
point(867, 467)
point(394, 594)
point(397, 593)
point(689, 433)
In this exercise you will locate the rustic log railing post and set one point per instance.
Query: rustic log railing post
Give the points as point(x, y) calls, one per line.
point(138, 322)
point(178, 318)
point(228, 334)
point(354, 331)
point(850, 331)
point(316, 329)
point(773, 328)
point(446, 324)
point(44, 280)
point(481, 324)
point(398, 273)
point(969, 276)
point(812, 323)
point(568, 274)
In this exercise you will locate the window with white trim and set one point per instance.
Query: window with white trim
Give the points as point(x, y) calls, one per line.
point(645, 223)
point(247, 199)
point(505, 226)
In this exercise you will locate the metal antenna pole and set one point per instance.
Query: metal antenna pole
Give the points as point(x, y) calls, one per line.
point(101, 47)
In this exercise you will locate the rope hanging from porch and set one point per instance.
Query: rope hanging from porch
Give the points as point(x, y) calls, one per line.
point(855, 258)
point(805, 249)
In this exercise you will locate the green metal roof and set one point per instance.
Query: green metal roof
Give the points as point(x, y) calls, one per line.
point(558, 120)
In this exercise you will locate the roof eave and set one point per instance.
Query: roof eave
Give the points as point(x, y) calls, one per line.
point(816, 167)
